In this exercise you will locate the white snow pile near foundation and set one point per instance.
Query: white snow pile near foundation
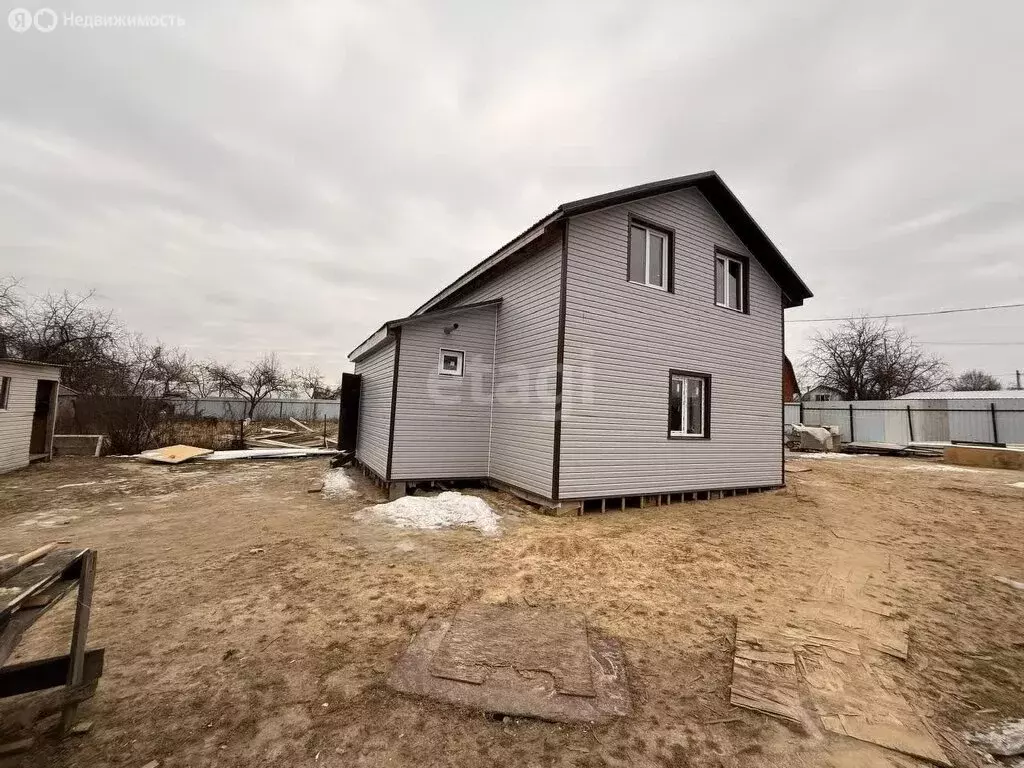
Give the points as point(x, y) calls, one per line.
point(337, 483)
point(446, 510)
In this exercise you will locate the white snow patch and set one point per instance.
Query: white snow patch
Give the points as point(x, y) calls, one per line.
point(938, 468)
point(268, 453)
point(337, 483)
point(446, 510)
point(1017, 485)
point(823, 455)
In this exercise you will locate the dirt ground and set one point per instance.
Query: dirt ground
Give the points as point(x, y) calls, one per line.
point(250, 623)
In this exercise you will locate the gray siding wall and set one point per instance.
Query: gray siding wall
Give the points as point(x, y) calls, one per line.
point(443, 423)
point(16, 420)
point(522, 421)
point(377, 371)
point(621, 340)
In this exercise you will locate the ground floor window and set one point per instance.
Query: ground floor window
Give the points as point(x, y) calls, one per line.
point(689, 405)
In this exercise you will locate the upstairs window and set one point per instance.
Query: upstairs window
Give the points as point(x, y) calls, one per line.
point(689, 405)
point(650, 255)
point(5, 391)
point(731, 282)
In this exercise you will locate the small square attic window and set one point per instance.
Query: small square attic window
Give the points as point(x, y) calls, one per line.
point(449, 362)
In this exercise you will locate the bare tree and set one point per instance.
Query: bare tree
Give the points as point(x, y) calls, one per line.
point(313, 384)
point(255, 383)
point(871, 360)
point(8, 297)
point(8, 300)
point(198, 381)
point(309, 380)
point(65, 329)
point(976, 380)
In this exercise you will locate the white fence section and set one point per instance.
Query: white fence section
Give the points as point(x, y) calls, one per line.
point(923, 421)
point(234, 408)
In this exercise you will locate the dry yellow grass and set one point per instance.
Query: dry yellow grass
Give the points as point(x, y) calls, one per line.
point(219, 655)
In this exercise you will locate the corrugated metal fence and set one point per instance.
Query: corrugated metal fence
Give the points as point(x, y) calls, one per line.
point(905, 421)
point(234, 408)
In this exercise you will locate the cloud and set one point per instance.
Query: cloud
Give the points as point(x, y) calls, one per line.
point(287, 177)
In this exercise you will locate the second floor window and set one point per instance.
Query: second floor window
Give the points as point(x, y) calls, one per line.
point(730, 282)
point(649, 256)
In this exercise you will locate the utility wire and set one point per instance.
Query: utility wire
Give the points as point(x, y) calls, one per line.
point(976, 343)
point(906, 314)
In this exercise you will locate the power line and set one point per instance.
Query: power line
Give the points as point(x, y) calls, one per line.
point(975, 343)
point(907, 314)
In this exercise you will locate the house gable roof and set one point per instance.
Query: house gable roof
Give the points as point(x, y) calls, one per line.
point(708, 183)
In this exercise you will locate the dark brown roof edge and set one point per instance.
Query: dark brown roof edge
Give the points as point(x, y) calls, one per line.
point(710, 185)
point(386, 328)
point(717, 192)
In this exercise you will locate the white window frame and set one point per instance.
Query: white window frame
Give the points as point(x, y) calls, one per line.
point(460, 356)
point(725, 259)
point(666, 259)
point(682, 433)
point(6, 383)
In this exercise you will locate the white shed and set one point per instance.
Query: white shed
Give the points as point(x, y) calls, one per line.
point(28, 412)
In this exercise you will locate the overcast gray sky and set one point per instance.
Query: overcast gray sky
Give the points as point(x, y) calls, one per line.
point(287, 176)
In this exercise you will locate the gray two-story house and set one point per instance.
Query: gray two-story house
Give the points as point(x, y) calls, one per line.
point(626, 345)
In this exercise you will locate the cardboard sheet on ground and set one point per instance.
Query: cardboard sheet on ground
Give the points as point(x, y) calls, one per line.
point(487, 637)
point(174, 454)
point(517, 661)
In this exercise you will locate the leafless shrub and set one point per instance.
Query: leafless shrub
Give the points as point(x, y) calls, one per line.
point(976, 381)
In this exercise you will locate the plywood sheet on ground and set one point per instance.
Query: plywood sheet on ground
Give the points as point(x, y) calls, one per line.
point(518, 693)
point(764, 676)
point(174, 454)
point(484, 638)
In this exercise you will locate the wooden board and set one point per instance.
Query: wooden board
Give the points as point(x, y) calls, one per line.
point(488, 637)
point(34, 578)
point(40, 674)
point(983, 456)
point(174, 454)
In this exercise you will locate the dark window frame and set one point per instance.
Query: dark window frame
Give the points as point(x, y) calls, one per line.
point(669, 234)
point(6, 383)
point(745, 266)
point(706, 434)
point(460, 354)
